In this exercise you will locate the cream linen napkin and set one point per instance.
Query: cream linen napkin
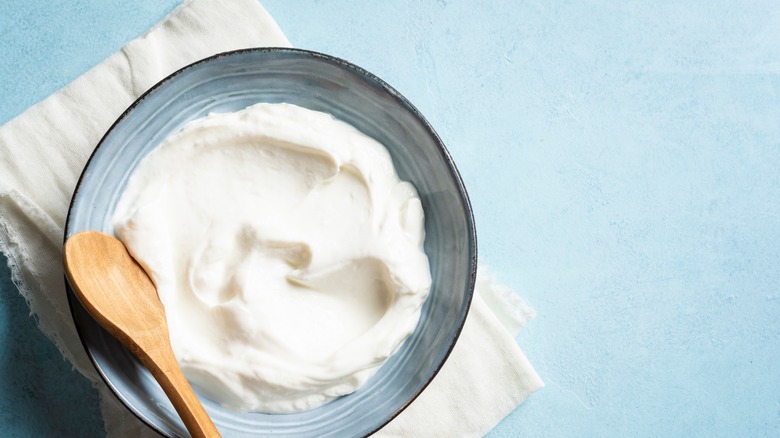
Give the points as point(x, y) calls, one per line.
point(43, 151)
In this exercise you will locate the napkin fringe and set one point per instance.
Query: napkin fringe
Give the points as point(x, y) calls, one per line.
point(513, 312)
point(27, 275)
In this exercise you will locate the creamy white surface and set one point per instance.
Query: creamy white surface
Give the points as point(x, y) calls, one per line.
point(285, 249)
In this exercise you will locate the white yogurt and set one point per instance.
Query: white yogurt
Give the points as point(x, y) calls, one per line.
point(286, 251)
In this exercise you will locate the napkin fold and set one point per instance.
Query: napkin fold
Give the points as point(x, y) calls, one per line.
point(42, 153)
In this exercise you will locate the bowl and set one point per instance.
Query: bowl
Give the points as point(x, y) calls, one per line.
point(230, 82)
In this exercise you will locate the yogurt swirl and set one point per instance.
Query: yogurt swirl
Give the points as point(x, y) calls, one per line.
point(286, 251)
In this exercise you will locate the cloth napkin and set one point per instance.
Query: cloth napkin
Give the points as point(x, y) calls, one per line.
point(42, 153)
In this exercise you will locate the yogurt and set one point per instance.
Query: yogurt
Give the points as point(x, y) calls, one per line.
point(286, 251)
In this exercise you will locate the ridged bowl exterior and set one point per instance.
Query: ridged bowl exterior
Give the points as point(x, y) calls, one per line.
point(230, 82)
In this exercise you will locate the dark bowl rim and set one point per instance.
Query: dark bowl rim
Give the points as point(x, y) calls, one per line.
point(455, 173)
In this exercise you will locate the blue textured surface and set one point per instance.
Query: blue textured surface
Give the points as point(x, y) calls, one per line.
point(623, 159)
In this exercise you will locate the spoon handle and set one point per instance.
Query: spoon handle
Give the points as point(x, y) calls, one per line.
point(161, 362)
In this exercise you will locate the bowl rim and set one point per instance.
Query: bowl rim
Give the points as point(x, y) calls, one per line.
point(403, 101)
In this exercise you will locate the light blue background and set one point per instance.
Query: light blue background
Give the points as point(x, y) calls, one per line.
point(623, 159)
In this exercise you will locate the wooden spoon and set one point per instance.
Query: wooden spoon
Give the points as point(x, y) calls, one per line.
point(116, 291)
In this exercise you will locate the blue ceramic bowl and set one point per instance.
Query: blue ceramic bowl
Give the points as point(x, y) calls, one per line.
point(230, 82)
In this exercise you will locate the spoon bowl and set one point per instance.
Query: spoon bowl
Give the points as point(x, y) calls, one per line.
point(116, 291)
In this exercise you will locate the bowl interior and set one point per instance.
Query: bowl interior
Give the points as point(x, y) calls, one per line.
point(233, 81)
